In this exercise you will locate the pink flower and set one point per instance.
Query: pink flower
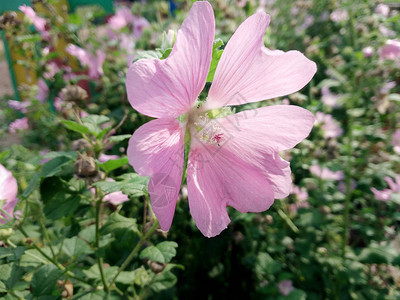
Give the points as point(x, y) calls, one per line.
point(368, 51)
point(18, 124)
point(396, 140)
point(123, 17)
point(386, 31)
point(300, 193)
point(339, 15)
point(19, 105)
point(383, 195)
point(325, 173)
point(43, 91)
point(139, 24)
point(51, 69)
point(391, 50)
point(104, 157)
point(8, 193)
point(38, 22)
point(114, 198)
point(329, 125)
point(233, 158)
point(93, 62)
point(285, 287)
point(328, 98)
point(382, 9)
point(386, 194)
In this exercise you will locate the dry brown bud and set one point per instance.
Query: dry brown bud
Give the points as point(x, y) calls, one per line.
point(85, 166)
point(73, 93)
point(155, 266)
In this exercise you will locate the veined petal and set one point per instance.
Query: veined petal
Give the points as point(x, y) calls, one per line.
point(217, 178)
point(169, 88)
point(256, 136)
point(274, 128)
point(249, 72)
point(156, 150)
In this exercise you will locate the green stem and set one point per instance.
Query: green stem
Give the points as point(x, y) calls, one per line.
point(348, 185)
point(135, 251)
point(46, 236)
point(58, 265)
point(97, 243)
point(289, 222)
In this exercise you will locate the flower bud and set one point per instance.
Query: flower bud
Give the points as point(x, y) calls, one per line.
point(155, 266)
point(73, 93)
point(85, 166)
point(5, 233)
point(325, 209)
point(9, 19)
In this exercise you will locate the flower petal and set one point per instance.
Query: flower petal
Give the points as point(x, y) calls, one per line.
point(156, 150)
point(8, 185)
point(169, 88)
point(275, 127)
point(256, 136)
point(249, 72)
point(217, 178)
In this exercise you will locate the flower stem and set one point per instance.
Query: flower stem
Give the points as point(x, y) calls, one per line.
point(97, 243)
point(135, 251)
point(348, 185)
point(58, 265)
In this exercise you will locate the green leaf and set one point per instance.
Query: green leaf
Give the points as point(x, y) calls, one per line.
point(150, 54)
point(33, 258)
point(131, 184)
point(216, 55)
point(44, 280)
point(166, 53)
point(163, 281)
point(113, 164)
point(119, 138)
point(75, 246)
point(10, 274)
point(117, 222)
point(59, 201)
point(266, 265)
point(50, 168)
point(126, 277)
point(94, 273)
point(74, 126)
point(376, 254)
point(162, 253)
point(93, 122)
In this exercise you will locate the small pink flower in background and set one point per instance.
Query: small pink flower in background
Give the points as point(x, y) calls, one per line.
point(382, 9)
point(328, 98)
point(285, 287)
point(139, 24)
point(114, 198)
point(339, 15)
point(308, 21)
point(122, 18)
point(241, 3)
point(368, 51)
point(19, 105)
point(329, 125)
point(386, 194)
point(43, 153)
point(51, 69)
point(325, 173)
point(383, 195)
point(58, 103)
point(302, 197)
point(104, 157)
point(38, 22)
point(234, 159)
point(18, 124)
point(386, 32)
point(301, 193)
point(391, 50)
point(8, 193)
point(93, 62)
point(387, 87)
point(43, 91)
point(396, 141)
